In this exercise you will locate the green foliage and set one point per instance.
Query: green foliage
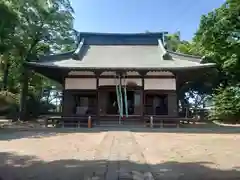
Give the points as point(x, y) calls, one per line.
point(190, 48)
point(200, 87)
point(35, 107)
point(219, 38)
point(227, 105)
point(7, 98)
point(9, 104)
point(173, 41)
point(7, 25)
point(29, 29)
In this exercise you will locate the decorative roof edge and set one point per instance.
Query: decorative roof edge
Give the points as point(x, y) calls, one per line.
point(147, 34)
point(193, 58)
point(186, 55)
point(160, 45)
point(35, 64)
point(55, 57)
point(76, 54)
point(165, 55)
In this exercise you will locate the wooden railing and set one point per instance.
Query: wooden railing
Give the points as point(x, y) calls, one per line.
point(155, 121)
point(70, 121)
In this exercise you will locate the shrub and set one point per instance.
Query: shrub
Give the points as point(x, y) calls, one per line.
point(35, 107)
point(226, 105)
point(9, 104)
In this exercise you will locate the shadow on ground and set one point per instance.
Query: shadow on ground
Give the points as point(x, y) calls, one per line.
point(17, 167)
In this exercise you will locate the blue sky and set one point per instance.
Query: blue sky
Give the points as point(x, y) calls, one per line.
point(141, 15)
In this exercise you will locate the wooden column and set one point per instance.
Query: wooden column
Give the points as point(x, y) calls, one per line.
point(177, 90)
point(63, 102)
point(143, 73)
point(65, 73)
point(97, 97)
point(23, 95)
point(143, 99)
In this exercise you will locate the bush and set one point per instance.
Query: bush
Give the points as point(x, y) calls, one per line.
point(9, 104)
point(35, 107)
point(226, 105)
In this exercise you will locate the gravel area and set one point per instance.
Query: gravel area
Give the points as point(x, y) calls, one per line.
point(118, 154)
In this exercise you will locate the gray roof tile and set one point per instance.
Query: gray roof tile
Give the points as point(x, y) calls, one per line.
point(131, 55)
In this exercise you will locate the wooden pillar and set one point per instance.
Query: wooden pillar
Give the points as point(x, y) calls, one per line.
point(177, 90)
point(62, 103)
point(97, 97)
point(63, 97)
point(23, 95)
point(64, 94)
point(142, 95)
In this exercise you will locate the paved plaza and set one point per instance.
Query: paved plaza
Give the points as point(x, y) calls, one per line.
point(119, 154)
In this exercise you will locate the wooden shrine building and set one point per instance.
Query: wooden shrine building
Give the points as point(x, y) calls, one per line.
point(112, 75)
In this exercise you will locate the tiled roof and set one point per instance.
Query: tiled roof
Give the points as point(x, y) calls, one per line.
point(121, 52)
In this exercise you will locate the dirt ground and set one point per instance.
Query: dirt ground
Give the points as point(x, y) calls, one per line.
point(119, 154)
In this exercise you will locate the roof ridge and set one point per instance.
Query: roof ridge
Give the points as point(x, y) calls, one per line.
point(122, 33)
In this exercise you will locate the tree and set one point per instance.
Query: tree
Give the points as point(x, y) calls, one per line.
point(191, 94)
point(218, 37)
point(33, 27)
point(44, 27)
point(7, 30)
point(173, 41)
point(227, 104)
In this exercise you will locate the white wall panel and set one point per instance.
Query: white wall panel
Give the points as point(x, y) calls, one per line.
point(159, 73)
point(85, 73)
point(160, 84)
point(112, 82)
point(112, 73)
point(107, 82)
point(80, 83)
point(108, 73)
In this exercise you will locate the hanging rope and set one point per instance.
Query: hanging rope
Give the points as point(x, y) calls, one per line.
point(118, 93)
point(120, 97)
point(125, 96)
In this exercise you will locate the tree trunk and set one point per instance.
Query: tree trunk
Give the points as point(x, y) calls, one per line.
point(24, 93)
point(5, 76)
